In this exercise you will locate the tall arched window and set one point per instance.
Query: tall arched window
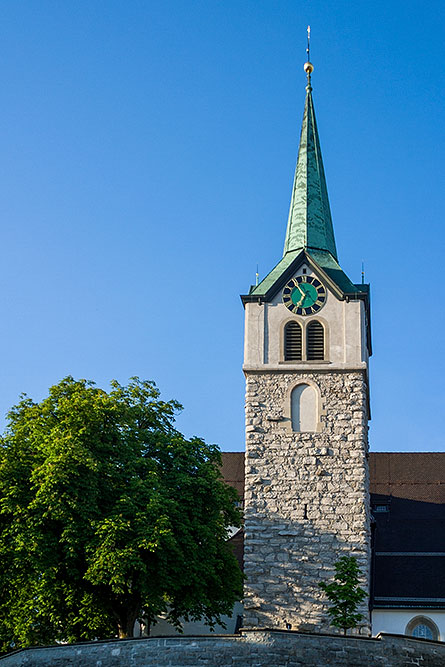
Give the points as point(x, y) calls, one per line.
point(303, 400)
point(315, 341)
point(292, 342)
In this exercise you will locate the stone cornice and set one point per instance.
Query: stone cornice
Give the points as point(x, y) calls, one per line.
point(306, 367)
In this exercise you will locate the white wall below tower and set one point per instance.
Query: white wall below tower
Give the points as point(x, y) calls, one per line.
point(395, 620)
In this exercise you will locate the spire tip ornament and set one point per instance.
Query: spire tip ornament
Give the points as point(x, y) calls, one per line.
point(308, 66)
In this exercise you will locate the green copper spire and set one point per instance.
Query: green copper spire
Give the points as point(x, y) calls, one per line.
point(309, 236)
point(309, 225)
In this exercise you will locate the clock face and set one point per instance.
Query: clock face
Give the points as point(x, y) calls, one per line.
point(304, 295)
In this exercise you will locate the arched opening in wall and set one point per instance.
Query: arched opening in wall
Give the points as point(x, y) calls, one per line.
point(292, 342)
point(423, 628)
point(303, 401)
point(315, 341)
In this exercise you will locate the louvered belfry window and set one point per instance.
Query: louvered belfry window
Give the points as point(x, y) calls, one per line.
point(292, 342)
point(315, 341)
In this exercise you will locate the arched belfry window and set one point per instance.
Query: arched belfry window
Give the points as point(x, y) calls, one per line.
point(292, 342)
point(303, 400)
point(315, 341)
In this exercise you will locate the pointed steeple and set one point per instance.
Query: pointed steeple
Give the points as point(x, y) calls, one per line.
point(310, 234)
point(309, 225)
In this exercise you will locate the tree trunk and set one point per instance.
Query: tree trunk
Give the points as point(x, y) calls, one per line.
point(126, 626)
point(126, 621)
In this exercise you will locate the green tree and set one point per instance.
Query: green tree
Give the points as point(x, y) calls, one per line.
point(107, 514)
point(345, 594)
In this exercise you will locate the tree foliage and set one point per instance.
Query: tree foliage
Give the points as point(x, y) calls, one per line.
point(345, 594)
point(108, 513)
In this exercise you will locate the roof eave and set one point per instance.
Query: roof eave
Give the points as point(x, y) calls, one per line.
point(259, 297)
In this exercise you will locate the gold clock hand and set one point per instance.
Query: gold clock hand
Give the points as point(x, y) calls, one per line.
point(306, 294)
point(303, 296)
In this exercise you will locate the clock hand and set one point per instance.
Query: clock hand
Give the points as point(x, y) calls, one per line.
point(303, 296)
point(307, 294)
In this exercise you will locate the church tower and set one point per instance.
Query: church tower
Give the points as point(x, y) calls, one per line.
point(307, 344)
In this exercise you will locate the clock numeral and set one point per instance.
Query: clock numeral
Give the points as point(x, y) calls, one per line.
point(315, 282)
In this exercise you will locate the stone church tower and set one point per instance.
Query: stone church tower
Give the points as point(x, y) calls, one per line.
point(307, 343)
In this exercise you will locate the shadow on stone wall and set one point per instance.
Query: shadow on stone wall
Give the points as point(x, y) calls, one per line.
point(284, 562)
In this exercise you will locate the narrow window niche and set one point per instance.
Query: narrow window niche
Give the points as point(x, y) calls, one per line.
point(304, 415)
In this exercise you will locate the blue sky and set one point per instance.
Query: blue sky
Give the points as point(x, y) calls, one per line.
point(147, 152)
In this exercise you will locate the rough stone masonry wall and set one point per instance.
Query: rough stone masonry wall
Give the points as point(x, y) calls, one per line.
point(251, 649)
point(306, 498)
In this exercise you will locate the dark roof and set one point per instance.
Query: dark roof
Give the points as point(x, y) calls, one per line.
point(232, 470)
point(409, 536)
point(409, 581)
point(413, 475)
point(237, 543)
point(409, 539)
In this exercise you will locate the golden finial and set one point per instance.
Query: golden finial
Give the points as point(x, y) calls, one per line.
point(308, 66)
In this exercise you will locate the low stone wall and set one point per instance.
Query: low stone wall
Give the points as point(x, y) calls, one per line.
point(254, 647)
